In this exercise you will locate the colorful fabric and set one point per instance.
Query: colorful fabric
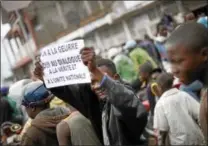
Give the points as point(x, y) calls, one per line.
point(139, 57)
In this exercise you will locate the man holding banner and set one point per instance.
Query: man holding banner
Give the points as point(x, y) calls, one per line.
point(123, 116)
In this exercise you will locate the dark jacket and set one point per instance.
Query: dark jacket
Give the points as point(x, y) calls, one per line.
point(126, 116)
point(85, 101)
point(42, 131)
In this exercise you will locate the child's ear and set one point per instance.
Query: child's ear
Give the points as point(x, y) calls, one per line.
point(204, 53)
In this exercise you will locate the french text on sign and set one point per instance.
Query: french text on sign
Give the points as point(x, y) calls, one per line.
point(63, 65)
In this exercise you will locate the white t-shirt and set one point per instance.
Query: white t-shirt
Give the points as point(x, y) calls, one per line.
point(177, 113)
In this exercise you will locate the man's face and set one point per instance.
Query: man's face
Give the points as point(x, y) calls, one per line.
point(100, 92)
point(185, 64)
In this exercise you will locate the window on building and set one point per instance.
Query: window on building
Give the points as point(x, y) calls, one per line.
point(82, 10)
point(117, 34)
point(153, 13)
point(105, 37)
point(94, 6)
point(141, 33)
point(107, 3)
point(71, 13)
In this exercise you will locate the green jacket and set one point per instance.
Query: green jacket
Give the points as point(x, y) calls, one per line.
point(125, 68)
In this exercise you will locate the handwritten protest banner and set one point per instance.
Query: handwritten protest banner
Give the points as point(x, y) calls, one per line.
point(63, 65)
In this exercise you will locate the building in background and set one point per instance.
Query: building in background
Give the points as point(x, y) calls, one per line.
point(102, 24)
point(6, 73)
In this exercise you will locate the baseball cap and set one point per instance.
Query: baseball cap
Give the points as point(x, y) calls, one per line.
point(36, 94)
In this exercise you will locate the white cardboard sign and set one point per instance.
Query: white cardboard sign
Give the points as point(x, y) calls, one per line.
point(63, 65)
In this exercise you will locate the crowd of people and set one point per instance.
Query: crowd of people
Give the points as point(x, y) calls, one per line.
point(152, 92)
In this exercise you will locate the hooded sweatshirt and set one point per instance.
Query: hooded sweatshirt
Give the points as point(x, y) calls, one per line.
point(42, 131)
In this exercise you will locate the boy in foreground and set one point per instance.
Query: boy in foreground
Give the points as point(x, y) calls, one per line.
point(187, 50)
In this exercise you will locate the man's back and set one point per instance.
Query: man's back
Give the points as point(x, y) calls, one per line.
point(43, 128)
point(177, 112)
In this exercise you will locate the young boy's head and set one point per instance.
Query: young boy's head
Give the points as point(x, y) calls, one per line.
point(155, 73)
point(164, 82)
point(145, 71)
point(187, 52)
